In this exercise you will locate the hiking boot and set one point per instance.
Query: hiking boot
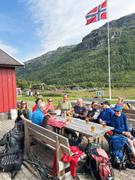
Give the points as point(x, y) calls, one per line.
point(130, 165)
point(76, 178)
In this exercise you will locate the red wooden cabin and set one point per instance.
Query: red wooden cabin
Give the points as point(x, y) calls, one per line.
point(8, 82)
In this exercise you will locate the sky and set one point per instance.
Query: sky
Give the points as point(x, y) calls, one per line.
point(30, 28)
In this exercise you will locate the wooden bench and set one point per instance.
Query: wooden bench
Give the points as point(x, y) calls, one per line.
point(51, 139)
point(132, 111)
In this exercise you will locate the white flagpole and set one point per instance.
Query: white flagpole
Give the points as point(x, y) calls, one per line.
point(109, 69)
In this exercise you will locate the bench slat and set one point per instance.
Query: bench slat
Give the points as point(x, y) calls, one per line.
point(132, 111)
point(130, 116)
point(48, 133)
point(41, 138)
point(47, 140)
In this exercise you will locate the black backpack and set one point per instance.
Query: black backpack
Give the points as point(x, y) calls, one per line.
point(11, 156)
point(10, 162)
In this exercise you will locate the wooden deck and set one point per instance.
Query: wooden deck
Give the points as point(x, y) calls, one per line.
point(25, 174)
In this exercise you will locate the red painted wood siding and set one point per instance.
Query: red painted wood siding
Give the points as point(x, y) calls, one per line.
point(7, 89)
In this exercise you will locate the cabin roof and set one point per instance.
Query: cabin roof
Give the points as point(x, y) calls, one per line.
point(7, 60)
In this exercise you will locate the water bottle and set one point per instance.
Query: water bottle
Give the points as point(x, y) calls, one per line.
point(64, 114)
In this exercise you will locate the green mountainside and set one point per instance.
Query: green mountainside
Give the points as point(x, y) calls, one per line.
point(86, 64)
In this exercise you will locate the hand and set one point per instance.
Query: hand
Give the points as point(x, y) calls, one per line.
point(87, 119)
point(67, 122)
point(76, 115)
point(90, 118)
point(101, 121)
point(22, 117)
point(128, 134)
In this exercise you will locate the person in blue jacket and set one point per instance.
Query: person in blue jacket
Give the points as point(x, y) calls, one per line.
point(38, 114)
point(120, 123)
point(106, 114)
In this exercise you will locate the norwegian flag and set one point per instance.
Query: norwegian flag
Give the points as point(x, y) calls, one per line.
point(97, 13)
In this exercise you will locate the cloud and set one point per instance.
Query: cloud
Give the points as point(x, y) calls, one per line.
point(62, 22)
point(9, 49)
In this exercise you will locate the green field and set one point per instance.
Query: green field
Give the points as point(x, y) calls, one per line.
point(126, 93)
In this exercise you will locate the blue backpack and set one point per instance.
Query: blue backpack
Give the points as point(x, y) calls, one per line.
point(120, 149)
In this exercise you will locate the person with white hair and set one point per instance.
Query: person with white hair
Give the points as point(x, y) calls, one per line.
point(38, 114)
point(79, 110)
point(120, 123)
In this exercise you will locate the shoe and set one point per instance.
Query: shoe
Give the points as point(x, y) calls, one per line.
point(76, 178)
point(130, 165)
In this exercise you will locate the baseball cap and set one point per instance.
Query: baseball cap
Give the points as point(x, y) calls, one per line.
point(118, 108)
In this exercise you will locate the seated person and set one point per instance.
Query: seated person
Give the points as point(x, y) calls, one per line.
point(79, 110)
point(52, 123)
point(94, 112)
point(106, 114)
point(64, 105)
point(23, 110)
point(38, 115)
point(125, 106)
point(120, 124)
point(49, 105)
point(45, 120)
point(38, 101)
point(22, 113)
point(120, 101)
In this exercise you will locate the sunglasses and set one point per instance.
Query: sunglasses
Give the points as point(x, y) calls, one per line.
point(23, 103)
point(49, 100)
point(117, 111)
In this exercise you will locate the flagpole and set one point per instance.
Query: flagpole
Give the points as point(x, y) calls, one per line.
point(109, 64)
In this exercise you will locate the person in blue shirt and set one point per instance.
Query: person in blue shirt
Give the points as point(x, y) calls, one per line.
point(38, 114)
point(106, 114)
point(120, 123)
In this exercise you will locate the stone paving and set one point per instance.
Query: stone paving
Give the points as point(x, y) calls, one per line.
point(25, 174)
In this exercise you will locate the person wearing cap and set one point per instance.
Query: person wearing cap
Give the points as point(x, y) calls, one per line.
point(106, 114)
point(93, 114)
point(120, 123)
point(38, 115)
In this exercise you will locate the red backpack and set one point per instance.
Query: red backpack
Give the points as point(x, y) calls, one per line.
point(98, 163)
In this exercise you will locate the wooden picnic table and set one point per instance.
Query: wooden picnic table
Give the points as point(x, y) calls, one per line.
point(85, 128)
point(82, 127)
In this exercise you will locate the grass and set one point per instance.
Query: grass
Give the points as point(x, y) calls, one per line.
point(126, 93)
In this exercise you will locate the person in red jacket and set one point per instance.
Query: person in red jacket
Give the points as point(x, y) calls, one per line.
point(38, 101)
point(49, 105)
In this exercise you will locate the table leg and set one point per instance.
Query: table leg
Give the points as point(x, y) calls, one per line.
point(61, 131)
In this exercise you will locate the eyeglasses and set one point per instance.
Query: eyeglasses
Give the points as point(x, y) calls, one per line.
point(49, 100)
point(24, 103)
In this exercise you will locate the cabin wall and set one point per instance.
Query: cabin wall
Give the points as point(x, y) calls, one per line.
point(7, 89)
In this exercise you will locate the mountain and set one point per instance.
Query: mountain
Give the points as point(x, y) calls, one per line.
point(86, 64)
